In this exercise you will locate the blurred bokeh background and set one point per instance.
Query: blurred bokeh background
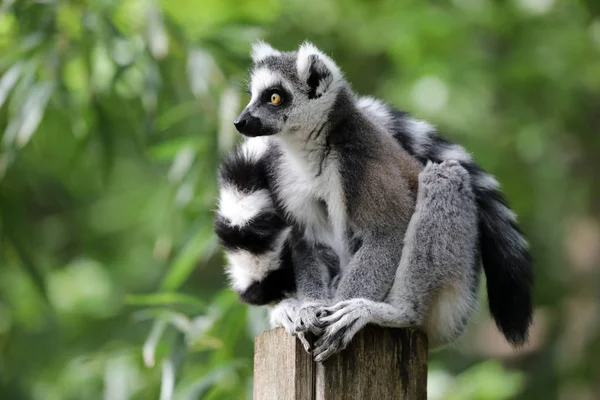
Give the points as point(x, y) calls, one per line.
point(115, 113)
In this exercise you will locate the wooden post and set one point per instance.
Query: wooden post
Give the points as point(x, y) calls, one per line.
point(380, 364)
point(282, 368)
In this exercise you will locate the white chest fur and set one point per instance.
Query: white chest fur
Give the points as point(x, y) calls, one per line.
point(311, 192)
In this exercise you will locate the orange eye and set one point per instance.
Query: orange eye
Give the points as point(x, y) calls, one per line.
point(275, 98)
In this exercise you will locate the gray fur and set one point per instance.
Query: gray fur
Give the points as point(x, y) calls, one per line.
point(433, 287)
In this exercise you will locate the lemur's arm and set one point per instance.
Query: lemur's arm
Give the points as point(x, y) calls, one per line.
point(315, 267)
point(379, 203)
point(436, 281)
point(370, 272)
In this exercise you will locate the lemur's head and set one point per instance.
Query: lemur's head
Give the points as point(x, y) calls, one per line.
point(291, 91)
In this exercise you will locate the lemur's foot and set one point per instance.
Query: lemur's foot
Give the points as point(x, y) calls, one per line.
point(285, 314)
point(342, 321)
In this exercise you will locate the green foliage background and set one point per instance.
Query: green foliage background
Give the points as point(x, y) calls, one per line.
point(114, 114)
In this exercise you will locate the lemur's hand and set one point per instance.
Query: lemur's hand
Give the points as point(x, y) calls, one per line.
point(307, 320)
point(285, 314)
point(341, 322)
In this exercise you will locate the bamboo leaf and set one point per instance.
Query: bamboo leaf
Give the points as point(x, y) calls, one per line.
point(163, 299)
point(33, 112)
point(198, 248)
point(9, 80)
point(167, 383)
point(149, 349)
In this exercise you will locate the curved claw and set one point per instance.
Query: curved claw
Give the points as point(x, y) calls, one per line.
point(305, 343)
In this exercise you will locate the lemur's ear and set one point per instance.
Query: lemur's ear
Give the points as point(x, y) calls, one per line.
point(316, 69)
point(262, 50)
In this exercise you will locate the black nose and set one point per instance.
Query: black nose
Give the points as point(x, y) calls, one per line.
point(248, 125)
point(239, 124)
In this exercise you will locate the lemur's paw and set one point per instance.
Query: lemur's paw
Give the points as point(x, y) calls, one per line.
point(342, 320)
point(307, 319)
point(285, 315)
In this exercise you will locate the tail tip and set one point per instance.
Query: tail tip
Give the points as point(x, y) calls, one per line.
point(516, 329)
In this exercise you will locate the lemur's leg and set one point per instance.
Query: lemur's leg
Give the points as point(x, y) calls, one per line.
point(436, 281)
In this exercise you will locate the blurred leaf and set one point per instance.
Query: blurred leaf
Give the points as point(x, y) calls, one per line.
point(157, 36)
point(176, 114)
point(198, 248)
point(486, 381)
point(164, 299)
point(8, 81)
point(177, 319)
point(199, 387)
point(167, 383)
point(166, 151)
point(149, 350)
point(33, 112)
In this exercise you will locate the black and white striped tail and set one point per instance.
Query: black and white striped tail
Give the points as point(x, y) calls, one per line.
point(507, 263)
point(255, 238)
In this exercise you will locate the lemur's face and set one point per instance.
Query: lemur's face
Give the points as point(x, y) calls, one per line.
point(292, 92)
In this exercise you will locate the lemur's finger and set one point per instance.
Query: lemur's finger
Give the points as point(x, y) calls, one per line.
point(320, 341)
point(341, 309)
point(332, 318)
point(326, 350)
point(307, 321)
point(305, 343)
point(288, 325)
point(339, 334)
point(336, 307)
point(314, 328)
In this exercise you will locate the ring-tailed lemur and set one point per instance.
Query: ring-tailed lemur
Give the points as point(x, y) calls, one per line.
point(326, 171)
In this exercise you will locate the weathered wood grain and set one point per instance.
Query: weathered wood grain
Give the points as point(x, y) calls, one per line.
point(282, 368)
point(380, 364)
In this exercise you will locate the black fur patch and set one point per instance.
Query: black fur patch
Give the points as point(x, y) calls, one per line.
point(427, 152)
point(257, 237)
point(400, 133)
point(275, 286)
point(508, 268)
point(355, 242)
point(327, 256)
point(352, 147)
point(437, 147)
point(246, 175)
point(319, 74)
